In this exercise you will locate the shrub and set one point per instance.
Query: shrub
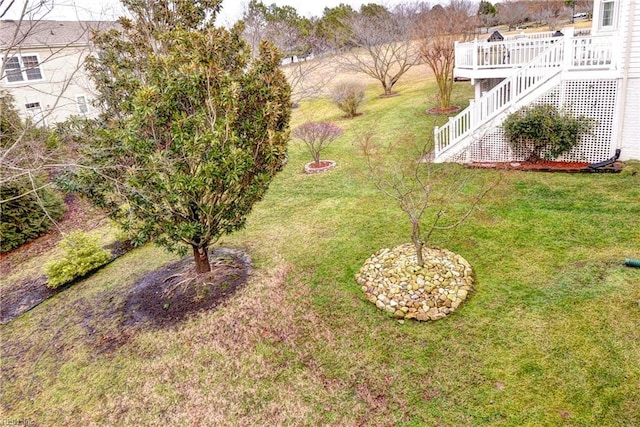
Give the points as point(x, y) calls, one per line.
point(544, 132)
point(317, 136)
point(348, 96)
point(81, 255)
point(23, 213)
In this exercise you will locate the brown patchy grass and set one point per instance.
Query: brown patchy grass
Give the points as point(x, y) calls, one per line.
point(251, 363)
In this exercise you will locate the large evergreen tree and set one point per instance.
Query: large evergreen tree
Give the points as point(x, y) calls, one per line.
point(193, 129)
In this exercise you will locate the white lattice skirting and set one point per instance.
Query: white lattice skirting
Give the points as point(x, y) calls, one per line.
point(595, 99)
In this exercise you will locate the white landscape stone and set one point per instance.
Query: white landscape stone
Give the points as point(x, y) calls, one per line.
point(395, 283)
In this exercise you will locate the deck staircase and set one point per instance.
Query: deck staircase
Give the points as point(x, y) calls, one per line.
point(541, 73)
point(526, 84)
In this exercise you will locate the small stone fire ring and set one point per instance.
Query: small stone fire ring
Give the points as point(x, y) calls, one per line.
point(392, 280)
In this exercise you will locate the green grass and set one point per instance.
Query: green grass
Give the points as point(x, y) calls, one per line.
point(550, 337)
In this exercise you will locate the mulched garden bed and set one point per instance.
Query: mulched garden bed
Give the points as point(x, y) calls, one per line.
point(168, 295)
point(441, 110)
point(27, 293)
point(546, 166)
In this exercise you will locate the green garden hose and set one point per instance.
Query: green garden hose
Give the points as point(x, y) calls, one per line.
point(632, 262)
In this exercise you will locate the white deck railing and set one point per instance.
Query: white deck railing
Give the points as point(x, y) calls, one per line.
point(538, 35)
point(514, 51)
point(592, 52)
point(503, 54)
point(544, 66)
point(561, 53)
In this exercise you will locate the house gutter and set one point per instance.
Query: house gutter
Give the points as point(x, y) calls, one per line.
point(625, 73)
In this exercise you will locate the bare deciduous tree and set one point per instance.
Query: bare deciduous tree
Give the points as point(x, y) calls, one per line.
point(383, 45)
point(295, 37)
point(41, 65)
point(435, 197)
point(513, 12)
point(440, 28)
point(317, 136)
point(309, 77)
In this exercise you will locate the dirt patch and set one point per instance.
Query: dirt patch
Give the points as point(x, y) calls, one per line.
point(23, 296)
point(170, 294)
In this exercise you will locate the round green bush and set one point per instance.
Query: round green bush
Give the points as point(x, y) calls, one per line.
point(82, 254)
point(545, 132)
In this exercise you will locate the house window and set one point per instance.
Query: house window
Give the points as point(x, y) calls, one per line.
point(13, 70)
point(607, 13)
point(34, 112)
point(21, 68)
point(83, 107)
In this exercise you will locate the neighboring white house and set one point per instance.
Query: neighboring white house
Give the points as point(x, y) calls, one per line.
point(43, 67)
point(594, 72)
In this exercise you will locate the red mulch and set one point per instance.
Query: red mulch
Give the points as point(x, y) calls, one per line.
point(323, 164)
point(440, 110)
point(543, 166)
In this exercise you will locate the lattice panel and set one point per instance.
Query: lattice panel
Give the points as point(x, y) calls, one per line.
point(591, 98)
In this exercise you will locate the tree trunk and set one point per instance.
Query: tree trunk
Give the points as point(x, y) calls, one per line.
point(415, 236)
point(201, 257)
point(387, 89)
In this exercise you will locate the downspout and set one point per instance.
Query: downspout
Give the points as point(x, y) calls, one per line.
point(625, 74)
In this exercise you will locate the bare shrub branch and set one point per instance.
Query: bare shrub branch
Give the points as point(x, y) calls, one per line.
point(317, 136)
point(446, 193)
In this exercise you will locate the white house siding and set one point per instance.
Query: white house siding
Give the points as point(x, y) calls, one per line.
point(61, 48)
point(64, 80)
point(630, 143)
point(631, 129)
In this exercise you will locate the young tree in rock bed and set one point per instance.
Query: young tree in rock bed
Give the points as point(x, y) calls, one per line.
point(192, 132)
point(434, 196)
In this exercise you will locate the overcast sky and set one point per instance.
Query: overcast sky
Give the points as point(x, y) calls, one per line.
point(231, 9)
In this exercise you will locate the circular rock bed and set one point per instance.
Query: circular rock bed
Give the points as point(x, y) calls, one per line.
point(393, 281)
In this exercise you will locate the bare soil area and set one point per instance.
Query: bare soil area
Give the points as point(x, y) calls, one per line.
point(168, 295)
point(164, 296)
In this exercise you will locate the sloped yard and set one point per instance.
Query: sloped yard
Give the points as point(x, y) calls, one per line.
point(549, 337)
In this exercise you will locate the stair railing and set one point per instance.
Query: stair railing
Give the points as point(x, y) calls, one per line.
point(524, 80)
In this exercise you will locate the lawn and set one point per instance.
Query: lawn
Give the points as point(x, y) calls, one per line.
point(550, 336)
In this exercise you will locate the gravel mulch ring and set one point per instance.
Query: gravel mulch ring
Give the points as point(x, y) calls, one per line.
point(392, 280)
